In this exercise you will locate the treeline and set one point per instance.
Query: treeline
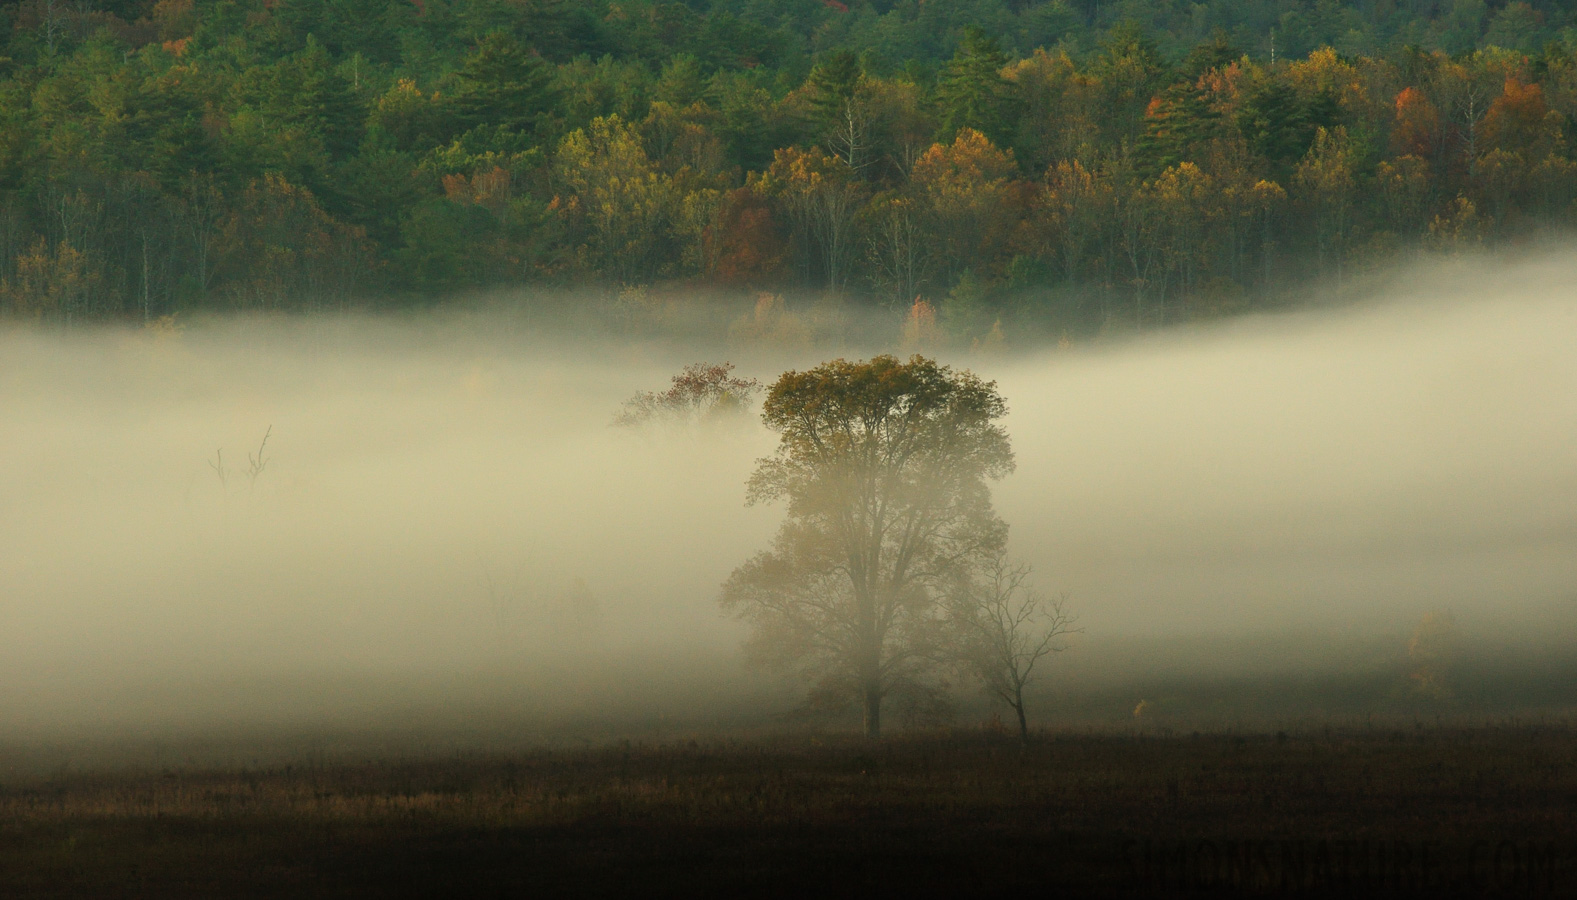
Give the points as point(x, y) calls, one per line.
point(984, 164)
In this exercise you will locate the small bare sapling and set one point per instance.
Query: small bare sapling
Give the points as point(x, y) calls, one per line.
point(1004, 627)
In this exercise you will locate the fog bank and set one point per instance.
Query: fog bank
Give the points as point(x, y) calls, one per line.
point(445, 520)
point(1342, 469)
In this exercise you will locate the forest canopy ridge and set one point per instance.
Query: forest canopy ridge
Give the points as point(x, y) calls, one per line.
point(985, 167)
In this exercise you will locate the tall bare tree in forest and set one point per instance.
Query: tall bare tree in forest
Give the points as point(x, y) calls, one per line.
point(842, 110)
point(896, 240)
point(821, 196)
point(1327, 184)
point(885, 466)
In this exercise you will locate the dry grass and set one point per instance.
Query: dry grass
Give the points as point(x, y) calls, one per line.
point(793, 814)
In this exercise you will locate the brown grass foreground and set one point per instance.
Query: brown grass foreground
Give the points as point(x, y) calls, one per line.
point(1411, 811)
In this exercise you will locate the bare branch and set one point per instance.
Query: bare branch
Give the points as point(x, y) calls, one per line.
point(256, 464)
point(1004, 628)
point(218, 465)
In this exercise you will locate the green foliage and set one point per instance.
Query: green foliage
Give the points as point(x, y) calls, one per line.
point(967, 312)
point(1216, 54)
point(1280, 126)
point(164, 128)
point(971, 91)
point(1159, 160)
point(445, 245)
point(502, 86)
point(1130, 68)
point(681, 82)
point(834, 81)
point(1179, 125)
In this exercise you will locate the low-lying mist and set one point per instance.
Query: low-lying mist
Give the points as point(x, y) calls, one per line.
point(444, 530)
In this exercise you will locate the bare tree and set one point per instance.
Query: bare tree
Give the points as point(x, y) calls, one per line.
point(52, 22)
point(899, 262)
point(218, 465)
point(1004, 627)
point(199, 211)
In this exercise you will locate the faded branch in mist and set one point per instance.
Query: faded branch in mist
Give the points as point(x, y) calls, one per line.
point(884, 465)
point(700, 391)
point(1003, 627)
point(255, 464)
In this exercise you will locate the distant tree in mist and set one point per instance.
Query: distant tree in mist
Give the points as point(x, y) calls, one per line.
point(700, 391)
point(1432, 652)
point(885, 466)
point(1002, 628)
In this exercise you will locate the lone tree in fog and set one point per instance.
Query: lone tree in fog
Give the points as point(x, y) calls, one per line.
point(884, 465)
point(1003, 627)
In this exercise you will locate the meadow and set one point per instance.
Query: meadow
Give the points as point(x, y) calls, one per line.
point(1394, 810)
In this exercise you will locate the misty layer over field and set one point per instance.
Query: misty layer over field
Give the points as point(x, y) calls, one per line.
point(445, 524)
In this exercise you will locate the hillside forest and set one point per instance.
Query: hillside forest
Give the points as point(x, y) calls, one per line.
point(984, 167)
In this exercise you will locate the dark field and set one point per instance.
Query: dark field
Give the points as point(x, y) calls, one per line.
point(1417, 810)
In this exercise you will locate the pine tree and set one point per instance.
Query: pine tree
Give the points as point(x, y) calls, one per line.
point(1280, 126)
point(305, 91)
point(1130, 68)
point(1176, 128)
point(1216, 53)
point(833, 83)
point(837, 108)
point(682, 82)
point(503, 85)
point(971, 90)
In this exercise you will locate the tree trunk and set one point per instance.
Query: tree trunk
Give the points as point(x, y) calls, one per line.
point(870, 659)
point(873, 709)
point(1018, 707)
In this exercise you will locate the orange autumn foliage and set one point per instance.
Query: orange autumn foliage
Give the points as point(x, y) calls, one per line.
point(1417, 131)
point(1515, 120)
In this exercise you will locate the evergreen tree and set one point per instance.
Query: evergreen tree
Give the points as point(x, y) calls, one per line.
point(1177, 126)
point(682, 82)
point(1130, 68)
point(307, 90)
point(1217, 53)
point(971, 91)
point(833, 82)
point(503, 85)
point(1280, 126)
point(165, 133)
point(840, 116)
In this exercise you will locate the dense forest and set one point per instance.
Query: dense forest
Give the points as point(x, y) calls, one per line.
point(983, 165)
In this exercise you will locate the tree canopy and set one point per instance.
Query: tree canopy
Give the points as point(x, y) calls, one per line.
point(1036, 167)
